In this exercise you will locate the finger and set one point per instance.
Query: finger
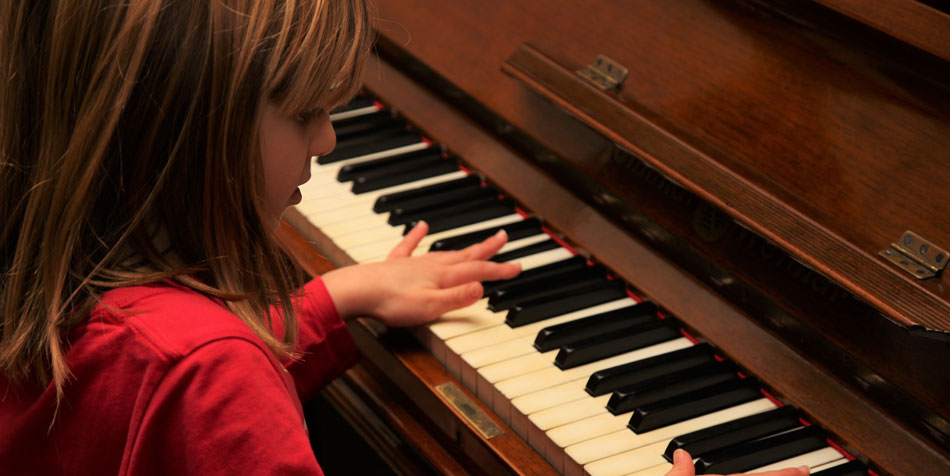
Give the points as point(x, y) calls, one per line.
point(682, 464)
point(441, 301)
point(486, 249)
point(410, 241)
point(469, 271)
point(799, 471)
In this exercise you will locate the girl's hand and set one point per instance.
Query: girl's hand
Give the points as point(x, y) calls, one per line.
point(406, 290)
point(683, 466)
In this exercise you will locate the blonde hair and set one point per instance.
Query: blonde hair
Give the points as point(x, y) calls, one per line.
point(125, 121)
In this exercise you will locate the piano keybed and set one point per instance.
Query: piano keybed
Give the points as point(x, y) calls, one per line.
point(594, 379)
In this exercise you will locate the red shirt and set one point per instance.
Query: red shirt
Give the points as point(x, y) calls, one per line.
point(167, 381)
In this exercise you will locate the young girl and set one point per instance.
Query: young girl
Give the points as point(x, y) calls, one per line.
point(148, 323)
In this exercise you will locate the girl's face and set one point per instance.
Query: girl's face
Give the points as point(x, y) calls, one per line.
point(287, 144)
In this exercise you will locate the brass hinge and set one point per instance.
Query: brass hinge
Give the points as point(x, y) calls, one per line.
point(917, 256)
point(605, 73)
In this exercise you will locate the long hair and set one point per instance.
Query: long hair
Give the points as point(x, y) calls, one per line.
point(129, 154)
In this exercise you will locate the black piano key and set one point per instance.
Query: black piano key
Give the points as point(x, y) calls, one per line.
point(379, 182)
point(693, 404)
point(358, 102)
point(608, 345)
point(569, 265)
point(628, 399)
point(444, 223)
point(724, 435)
point(551, 338)
point(431, 214)
point(367, 125)
point(522, 229)
point(590, 277)
point(605, 381)
point(753, 454)
point(368, 138)
point(409, 210)
point(391, 201)
point(525, 251)
point(851, 468)
point(352, 171)
point(406, 168)
point(357, 150)
point(535, 311)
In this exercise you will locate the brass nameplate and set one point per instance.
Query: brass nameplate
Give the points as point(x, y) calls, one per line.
point(474, 415)
point(917, 256)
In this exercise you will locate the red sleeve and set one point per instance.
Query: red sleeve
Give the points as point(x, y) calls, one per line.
point(224, 408)
point(325, 344)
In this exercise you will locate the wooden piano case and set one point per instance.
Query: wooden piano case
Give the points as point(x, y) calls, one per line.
point(746, 176)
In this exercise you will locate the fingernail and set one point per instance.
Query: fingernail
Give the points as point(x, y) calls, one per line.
point(475, 290)
point(804, 470)
point(679, 456)
point(420, 223)
point(501, 234)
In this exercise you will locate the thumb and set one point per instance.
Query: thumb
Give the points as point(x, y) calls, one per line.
point(682, 464)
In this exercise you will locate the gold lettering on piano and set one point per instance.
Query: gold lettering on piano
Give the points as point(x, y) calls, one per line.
point(468, 410)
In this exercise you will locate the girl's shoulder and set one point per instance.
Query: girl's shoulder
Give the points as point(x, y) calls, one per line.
point(170, 319)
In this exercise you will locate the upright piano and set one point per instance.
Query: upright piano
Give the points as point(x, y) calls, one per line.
point(733, 215)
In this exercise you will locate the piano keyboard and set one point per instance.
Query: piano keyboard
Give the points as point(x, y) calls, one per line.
point(593, 379)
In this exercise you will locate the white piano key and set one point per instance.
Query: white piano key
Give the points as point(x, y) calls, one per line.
point(811, 459)
point(569, 412)
point(339, 116)
point(609, 444)
point(830, 465)
point(659, 470)
point(635, 460)
point(466, 367)
point(551, 375)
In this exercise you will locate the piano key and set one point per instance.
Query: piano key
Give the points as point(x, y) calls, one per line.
point(444, 211)
point(323, 183)
point(608, 380)
point(627, 399)
point(538, 247)
point(586, 441)
point(351, 109)
point(548, 375)
point(534, 311)
point(501, 333)
point(323, 212)
point(387, 203)
point(476, 316)
point(488, 354)
point(564, 267)
point(717, 437)
point(528, 227)
point(693, 404)
point(555, 336)
point(351, 171)
point(362, 149)
point(639, 459)
point(811, 459)
point(569, 280)
point(445, 222)
point(384, 130)
point(603, 346)
point(362, 123)
point(403, 212)
point(841, 468)
point(384, 179)
point(351, 113)
point(754, 454)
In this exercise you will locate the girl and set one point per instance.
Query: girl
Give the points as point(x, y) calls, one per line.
point(147, 151)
